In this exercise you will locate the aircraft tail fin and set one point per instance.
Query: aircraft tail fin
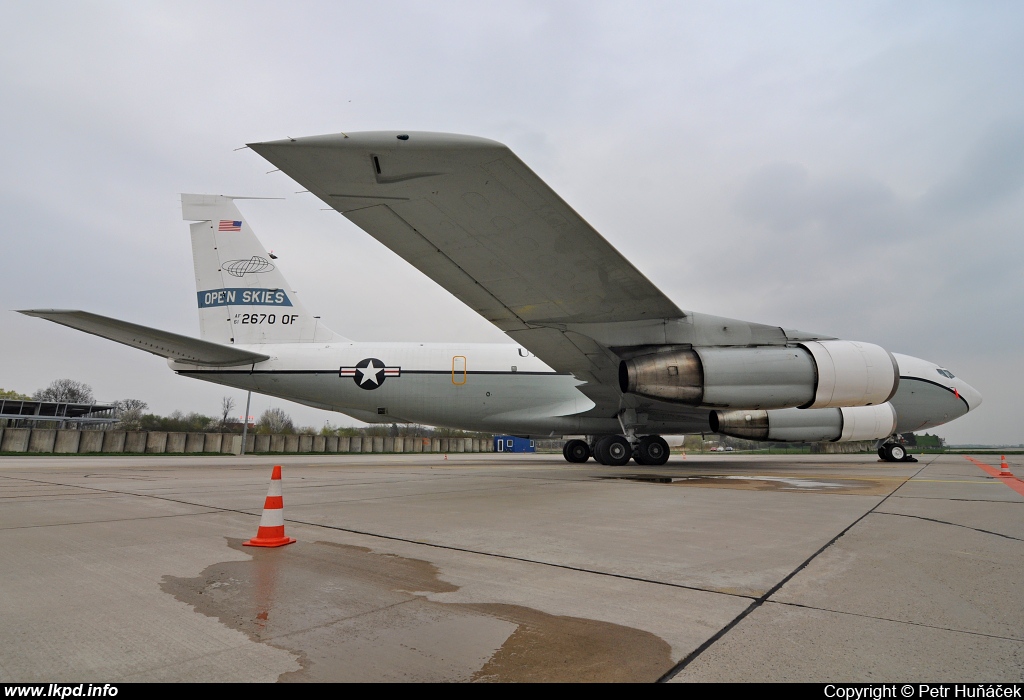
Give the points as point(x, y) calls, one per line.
point(243, 298)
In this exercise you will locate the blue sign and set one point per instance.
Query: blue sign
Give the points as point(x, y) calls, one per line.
point(243, 296)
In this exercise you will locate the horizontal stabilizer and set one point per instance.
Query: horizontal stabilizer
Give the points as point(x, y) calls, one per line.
point(180, 348)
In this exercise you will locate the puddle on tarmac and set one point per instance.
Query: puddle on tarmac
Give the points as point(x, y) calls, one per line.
point(861, 486)
point(352, 614)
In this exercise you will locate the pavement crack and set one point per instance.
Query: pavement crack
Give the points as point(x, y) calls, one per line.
point(964, 500)
point(394, 538)
point(901, 622)
point(113, 520)
point(758, 602)
point(946, 522)
point(510, 557)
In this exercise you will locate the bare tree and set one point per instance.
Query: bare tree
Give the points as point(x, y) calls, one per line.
point(67, 390)
point(227, 404)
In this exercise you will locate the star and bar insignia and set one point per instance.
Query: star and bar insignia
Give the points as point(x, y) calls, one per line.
point(370, 373)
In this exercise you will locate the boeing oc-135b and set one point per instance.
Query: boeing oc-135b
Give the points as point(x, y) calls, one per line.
point(598, 350)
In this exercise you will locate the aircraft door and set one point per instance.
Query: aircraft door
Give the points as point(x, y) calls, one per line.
point(458, 370)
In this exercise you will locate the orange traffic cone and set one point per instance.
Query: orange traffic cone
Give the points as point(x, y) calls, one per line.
point(271, 532)
point(1004, 470)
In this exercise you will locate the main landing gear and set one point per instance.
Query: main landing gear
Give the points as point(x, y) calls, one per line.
point(616, 451)
point(895, 452)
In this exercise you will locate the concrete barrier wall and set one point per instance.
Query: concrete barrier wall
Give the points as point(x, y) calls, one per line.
point(51, 440)
point(42, 440)
point(113, 441)
point(92, 441)
point(67, 442)
point(15, 439)
point(156, 442)
point(195, 442)
point(212, 442)
point(135, 441)
point(175, 443)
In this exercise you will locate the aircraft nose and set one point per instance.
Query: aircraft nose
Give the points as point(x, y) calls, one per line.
point(971, 395)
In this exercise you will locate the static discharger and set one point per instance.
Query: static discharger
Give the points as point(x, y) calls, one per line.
point(271, 532)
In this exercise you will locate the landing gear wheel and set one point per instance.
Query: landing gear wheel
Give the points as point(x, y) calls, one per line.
point(893, 452)
point(652, 451)
point(576, 451)
point(613, 450)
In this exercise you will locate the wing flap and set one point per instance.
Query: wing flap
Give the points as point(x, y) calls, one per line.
point(176, 347)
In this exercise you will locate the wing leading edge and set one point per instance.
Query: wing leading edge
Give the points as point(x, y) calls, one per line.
point(475, 219)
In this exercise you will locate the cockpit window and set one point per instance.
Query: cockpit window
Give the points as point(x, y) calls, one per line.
point(946, 373)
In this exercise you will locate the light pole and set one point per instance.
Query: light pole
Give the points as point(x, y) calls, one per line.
point(245, 421)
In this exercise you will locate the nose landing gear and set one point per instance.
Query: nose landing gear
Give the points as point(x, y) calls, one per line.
point(895, 452)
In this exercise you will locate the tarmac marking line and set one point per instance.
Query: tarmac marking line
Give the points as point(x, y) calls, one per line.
point(1011, 481)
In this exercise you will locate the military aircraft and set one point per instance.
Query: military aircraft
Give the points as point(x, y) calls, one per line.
point(597, 349)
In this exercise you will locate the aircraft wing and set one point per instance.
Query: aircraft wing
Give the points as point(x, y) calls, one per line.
point(475, 219)
point(170, 345)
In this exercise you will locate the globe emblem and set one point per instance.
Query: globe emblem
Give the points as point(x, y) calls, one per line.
point(240, 268)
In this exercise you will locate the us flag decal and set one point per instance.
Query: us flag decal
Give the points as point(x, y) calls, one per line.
point(230, 225)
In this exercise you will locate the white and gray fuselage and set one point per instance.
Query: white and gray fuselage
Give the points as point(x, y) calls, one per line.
point(503, 388)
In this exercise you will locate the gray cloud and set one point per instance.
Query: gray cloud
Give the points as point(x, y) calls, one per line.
point(848, 168)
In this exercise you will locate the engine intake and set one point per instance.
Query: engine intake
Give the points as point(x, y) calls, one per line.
point(818, 374)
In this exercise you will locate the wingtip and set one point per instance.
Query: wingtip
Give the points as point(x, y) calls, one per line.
point(388, 139)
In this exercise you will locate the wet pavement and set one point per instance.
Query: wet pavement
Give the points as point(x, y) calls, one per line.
point(511, 568)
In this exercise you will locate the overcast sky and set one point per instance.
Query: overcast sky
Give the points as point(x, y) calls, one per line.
point(854, 168)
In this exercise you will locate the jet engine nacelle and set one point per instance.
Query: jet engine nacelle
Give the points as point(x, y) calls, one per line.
point(813, 425)
point(815, 374)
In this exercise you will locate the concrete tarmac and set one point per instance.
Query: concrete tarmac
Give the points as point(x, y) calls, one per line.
point(497, 567)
